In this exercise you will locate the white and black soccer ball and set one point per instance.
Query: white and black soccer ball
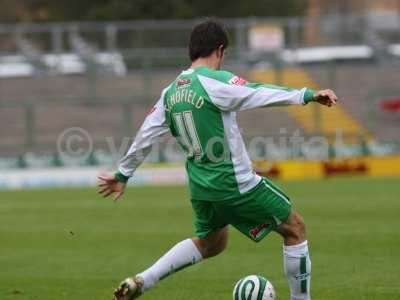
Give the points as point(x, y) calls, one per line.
point(254, 287)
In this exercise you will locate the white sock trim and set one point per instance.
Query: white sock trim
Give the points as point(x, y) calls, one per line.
point(296, 250)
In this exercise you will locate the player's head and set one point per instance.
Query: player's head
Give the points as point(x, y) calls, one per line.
point(208, 39)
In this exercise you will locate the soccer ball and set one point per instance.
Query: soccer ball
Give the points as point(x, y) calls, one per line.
point(254, 287)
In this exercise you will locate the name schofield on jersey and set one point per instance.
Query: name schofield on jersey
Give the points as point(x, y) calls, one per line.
point(184, 95)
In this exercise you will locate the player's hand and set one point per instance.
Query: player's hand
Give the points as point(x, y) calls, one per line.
point(109, 185)
point(325, 97)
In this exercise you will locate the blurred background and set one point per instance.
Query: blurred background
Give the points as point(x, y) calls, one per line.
point(92, 69)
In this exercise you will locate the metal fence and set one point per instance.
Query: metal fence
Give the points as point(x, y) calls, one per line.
point(35, 109)
point(134, 36)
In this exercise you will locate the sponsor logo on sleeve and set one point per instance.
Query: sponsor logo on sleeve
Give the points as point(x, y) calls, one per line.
point(237, 80)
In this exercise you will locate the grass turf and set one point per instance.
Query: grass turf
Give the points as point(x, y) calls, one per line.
point(72, 244)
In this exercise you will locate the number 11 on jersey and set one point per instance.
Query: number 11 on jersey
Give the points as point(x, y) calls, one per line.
point(188, 133)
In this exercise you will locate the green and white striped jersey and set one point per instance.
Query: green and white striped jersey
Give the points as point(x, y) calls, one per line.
point(199, 108)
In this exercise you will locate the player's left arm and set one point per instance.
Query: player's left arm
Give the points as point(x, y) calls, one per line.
point(153, 127)
point(282, 96)
point(238, 94)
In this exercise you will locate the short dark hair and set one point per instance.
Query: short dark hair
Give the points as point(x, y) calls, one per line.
point(207, 37)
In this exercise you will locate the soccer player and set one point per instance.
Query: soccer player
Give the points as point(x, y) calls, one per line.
point(199, 108)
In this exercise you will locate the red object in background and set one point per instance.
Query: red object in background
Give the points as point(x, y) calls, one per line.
point(348, 167)
point(268, 172)
point(390, 105)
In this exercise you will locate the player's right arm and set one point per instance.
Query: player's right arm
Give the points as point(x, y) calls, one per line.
point(232, 93)
point(153, 127)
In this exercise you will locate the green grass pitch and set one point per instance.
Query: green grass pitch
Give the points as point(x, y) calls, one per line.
point(73, 244)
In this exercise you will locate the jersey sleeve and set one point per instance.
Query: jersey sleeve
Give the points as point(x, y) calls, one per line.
point(153, 127)
point(237, 94)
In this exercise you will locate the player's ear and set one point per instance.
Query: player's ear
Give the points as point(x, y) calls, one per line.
point(220, 52)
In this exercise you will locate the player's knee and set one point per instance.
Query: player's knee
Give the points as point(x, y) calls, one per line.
point(217, 247)
point(294, 229)
point(213, 247)
point(300, 225)
point(298, 232)
point(208, 250)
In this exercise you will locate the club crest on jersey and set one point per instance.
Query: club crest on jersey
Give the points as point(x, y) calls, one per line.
point(183, 83)
point(237, 80)
point(257, 231)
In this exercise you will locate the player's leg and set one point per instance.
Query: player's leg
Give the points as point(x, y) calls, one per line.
point(212, 238)
point(296, 257)
point(267, 208)
point(185, 254)
point(290, 225)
